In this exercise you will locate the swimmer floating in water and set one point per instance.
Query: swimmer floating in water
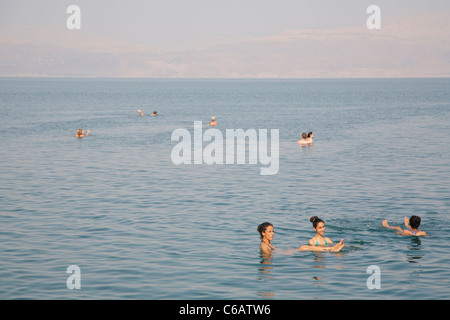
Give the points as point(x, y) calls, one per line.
point(213, 122)
point(319, 227)
point(319, 242)
point(141, 114)
point(80, 133)
point(306, 138)
point(303, 140)
point(412, 227)
point(266, 231)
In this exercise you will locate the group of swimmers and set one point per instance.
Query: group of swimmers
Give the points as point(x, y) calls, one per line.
point(80, 133)
point(212, 123)
point(306, 138)
point(321, 243)
point(151, 115)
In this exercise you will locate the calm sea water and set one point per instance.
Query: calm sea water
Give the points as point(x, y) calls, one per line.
point(141, 227)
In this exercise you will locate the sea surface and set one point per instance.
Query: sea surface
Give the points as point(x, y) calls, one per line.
point(139, 226)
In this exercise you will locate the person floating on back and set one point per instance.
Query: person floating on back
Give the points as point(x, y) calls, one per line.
point(412, 227)
point(151, 115)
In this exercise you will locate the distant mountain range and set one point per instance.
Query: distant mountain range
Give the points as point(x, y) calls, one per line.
point(413, 46)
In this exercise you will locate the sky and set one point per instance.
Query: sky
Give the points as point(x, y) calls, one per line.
point(175, 23)
point(225, 39)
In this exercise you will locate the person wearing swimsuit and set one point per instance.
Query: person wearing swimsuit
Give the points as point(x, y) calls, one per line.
point(319, 227)
point(266, 232)
point(213, 122)
point(80, 133)
point(412, 227)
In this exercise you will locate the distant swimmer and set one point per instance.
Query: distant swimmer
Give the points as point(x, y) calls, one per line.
point(303, 140)
point(213, 122)
point(80, 133)
point(141, 114)
point(412, 227)
point(310, 137)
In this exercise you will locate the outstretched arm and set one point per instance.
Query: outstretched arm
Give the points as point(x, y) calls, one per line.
point(334, 248)
point(385, 224)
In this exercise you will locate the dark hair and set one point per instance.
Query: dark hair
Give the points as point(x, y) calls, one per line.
point(414, 222)
point(309, 134)
point(304, 135)
point(262, 227)
point(315, 220)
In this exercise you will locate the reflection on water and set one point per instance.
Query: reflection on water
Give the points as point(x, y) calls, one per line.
point(318, 258)
point(314, 268)
point(415, 248)
point(319, 263)
point(320, 282)
point(266, 267)
point(266, 295)
point(265, 270)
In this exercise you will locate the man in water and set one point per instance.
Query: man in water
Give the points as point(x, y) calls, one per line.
point(213, 122)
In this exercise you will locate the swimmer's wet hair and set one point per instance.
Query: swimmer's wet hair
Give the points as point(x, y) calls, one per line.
point(414, 222)
point(262, 227)
point(315, 220)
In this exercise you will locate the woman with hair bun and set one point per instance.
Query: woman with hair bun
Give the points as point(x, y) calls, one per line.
point(266, 232)
point(319, 227)
point(319, 242)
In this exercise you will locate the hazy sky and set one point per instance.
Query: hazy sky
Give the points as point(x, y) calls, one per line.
point(173, 23)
